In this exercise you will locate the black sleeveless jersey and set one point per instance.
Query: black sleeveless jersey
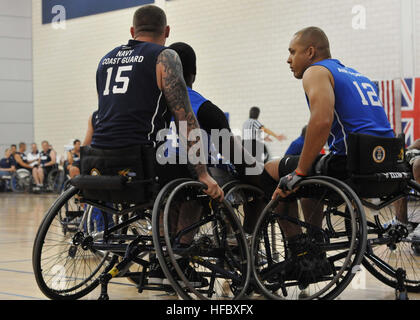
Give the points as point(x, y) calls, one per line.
point(24, 159)
point(131, 109)
point(45, 156)
point(76, 158)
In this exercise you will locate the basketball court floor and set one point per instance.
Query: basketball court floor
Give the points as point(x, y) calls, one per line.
point(21, 214)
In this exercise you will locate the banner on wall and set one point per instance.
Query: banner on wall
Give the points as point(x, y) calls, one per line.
point(410, 109)
point(81, 8)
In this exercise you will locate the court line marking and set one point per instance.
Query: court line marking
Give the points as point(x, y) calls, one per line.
point(28, 272)
point(20, 296)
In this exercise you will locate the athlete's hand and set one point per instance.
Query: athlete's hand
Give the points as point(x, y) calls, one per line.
point(213, 189)
point(287, 185)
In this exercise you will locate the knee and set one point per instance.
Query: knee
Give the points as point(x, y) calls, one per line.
point(272, 169)
point(74, 171)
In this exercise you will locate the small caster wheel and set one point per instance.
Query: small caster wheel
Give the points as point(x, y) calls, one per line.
point(103, 297)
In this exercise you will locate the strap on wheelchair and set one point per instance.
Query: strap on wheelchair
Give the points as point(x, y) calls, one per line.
point(384, 176)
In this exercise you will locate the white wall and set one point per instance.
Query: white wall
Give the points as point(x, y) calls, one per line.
point(16, 107)
point(241, 47)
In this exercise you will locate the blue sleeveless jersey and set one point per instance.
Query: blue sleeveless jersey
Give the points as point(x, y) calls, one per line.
point(132, 109)
point(357, 107)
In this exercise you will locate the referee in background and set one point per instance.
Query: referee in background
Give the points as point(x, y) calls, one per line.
point(252, 139)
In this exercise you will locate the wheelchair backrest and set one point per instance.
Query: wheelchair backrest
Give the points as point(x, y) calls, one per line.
point(134, 165)
point(369, 155)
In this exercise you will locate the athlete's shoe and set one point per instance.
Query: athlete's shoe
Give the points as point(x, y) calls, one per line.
point(394, 222)
point(415, 234)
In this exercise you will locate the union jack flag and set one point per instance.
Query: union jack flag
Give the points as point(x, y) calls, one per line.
point(410, 109)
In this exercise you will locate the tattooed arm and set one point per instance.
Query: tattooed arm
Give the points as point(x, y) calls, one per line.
point(171, 81)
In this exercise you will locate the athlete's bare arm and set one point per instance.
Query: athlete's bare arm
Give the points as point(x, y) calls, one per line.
point(19, 160)
point(171, 81)
point(89, 133)
point(319, 87)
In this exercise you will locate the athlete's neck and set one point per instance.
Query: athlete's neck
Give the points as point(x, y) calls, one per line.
point(150, 39)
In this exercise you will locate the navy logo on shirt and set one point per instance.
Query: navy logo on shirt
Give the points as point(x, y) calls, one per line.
point(378, 154)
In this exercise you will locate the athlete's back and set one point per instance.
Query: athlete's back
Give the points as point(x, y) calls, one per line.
point(357, 106)
point(132, 109)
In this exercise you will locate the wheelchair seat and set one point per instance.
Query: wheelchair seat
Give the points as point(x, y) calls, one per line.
point(376, 165)
point(125, 176)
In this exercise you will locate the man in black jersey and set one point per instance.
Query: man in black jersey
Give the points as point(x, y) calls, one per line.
point(73, 159)
point(21, 159)
point(139, 86)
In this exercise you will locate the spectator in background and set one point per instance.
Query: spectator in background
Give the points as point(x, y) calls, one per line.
point(296, 146)
point(46, 162)
point(21, 158)
point(33, 156)
point(73, 158)
point(251, 131)
point(12, 153)
point(6, 165)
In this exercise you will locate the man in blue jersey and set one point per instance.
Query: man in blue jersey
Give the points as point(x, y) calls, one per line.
point(211, 117)
point(341, 101)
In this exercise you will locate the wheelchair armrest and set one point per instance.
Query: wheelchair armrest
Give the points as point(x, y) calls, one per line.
point(99, 182)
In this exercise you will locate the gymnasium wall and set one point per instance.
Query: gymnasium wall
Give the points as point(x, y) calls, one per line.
point(16, 107)
point(241, 48)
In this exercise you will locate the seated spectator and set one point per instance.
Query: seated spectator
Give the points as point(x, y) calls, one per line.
point(6, 165)
point(46, 162)
point(20, 157)
point(73, 158)
point(33, 156)
point(12, 153)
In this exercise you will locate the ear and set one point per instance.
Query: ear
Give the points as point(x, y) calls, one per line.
point(132, 31)
point(167, 31)
point(311, 52)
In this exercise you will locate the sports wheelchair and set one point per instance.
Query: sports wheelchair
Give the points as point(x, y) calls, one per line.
point(21, 180)
point(141, 229)
point(340, 225)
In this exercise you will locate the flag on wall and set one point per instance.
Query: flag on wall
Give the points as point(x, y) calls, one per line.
point(387, 94)
point(410, 109)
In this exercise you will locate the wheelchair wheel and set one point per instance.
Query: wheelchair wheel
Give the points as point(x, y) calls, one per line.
point(21, 181)
point(206, 245)
point(321, 261)
point(389, 248)
point(55, 180)
point(65, 266)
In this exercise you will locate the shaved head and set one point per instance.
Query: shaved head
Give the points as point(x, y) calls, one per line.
point(150, 20)
point(315, 37)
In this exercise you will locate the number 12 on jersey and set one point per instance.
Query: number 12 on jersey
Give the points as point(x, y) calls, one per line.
point(370, 91)
point(118, 79)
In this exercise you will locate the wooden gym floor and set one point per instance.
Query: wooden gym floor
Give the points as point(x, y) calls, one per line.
point(20, 216)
